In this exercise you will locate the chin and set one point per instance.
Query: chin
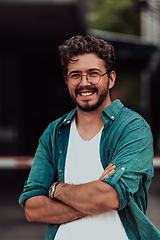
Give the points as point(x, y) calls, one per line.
point(88, 108)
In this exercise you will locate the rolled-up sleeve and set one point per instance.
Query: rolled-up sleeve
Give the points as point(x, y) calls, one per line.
point(42, 173)
point(133, 156)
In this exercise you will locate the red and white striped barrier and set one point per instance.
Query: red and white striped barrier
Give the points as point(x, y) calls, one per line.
point(13, 162)
point(25, 162)
point(156, 161)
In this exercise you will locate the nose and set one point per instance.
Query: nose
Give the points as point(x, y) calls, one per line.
point(84, 80)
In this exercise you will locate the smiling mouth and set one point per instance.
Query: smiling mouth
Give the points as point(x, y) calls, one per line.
point(86, 92)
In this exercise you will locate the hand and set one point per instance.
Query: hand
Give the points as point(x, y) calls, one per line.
point(108, 171)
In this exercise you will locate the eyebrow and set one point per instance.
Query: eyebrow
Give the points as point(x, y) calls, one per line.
point(89, 70)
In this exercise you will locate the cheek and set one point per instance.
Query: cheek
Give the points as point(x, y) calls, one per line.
point(71, 89)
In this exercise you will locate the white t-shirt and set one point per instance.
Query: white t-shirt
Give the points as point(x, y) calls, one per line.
point(83, 165)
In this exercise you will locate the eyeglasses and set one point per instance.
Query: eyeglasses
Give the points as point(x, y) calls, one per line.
point(92, 77)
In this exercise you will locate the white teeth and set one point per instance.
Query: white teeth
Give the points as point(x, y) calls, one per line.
point(87, 94)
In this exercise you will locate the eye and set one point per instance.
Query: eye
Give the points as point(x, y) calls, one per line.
point(93, 74)
point(75, 75)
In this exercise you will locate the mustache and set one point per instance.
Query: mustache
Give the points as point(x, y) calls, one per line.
point(86, 88)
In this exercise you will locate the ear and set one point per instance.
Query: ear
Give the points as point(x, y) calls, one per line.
point(112, 78)
point(66, 79)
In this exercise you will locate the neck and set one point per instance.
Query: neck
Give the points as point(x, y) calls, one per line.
point(89, 123)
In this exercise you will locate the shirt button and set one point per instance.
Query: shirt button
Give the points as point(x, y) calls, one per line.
point(112, 117)
point(60, 151)
point(59, 132)
point(122, 168)
point(60, 170)
point(68, 121)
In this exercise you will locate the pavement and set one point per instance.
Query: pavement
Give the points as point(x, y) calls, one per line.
point(14, 226)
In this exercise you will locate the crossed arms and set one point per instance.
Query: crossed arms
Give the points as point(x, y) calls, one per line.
point(75, 201)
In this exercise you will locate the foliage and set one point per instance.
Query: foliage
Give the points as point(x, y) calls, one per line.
point(114, 15)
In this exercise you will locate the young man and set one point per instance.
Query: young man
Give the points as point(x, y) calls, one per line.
point(93, 166)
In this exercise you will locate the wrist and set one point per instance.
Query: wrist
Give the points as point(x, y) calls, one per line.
point(58, 190)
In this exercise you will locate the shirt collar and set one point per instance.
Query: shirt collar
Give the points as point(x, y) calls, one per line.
point(112, 110)
point(68, 117)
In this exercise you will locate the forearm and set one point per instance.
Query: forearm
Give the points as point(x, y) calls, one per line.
point(43, 209)
point(91, 198)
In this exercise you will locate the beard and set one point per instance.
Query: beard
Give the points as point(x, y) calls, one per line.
point(87, 107)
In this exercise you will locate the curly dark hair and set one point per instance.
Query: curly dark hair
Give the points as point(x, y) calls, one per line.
point(79, 45)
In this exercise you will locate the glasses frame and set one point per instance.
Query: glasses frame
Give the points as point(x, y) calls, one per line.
point(101, 75)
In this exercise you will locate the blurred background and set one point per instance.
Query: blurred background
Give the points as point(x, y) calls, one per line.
point(33, 91)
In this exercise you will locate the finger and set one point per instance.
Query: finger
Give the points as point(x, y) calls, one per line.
point(109, 170)
point(107, 175)
point(109, 166)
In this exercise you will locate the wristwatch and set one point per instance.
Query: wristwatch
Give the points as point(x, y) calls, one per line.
point(52, 191)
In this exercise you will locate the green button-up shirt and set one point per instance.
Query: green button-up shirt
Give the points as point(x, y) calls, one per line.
point(126, 141)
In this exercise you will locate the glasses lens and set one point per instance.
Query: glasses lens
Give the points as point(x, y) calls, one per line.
point(74, 78)
point(93, 77)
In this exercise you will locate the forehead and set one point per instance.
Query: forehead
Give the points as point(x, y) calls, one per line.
point(85, 62)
